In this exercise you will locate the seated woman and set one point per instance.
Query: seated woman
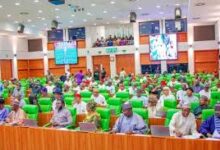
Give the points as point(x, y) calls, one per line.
point(92, 116)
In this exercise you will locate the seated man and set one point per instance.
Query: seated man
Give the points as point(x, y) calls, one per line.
point(129, 122)
point(3, 111)
point(203, 104)
point(17, 115)
point(188, 98)
point(58, 95)
point(141, 98)
point(98, 98)
point(211, 126)
point(61, 116)
point(79, 104)
point(183, 123)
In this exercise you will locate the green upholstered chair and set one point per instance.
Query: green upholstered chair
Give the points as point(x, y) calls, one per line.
point(115, 104)
point(45, 104)
point(206, 113)
point(106, 95)
point(86, 94)
point(26, 99)
point(69, 94)
point(142, 112)
point(73, 114)
point(31, 111)
point(169, 104)
point(102, 91)
point(86, 99)
point(194, 105)
point(123, 95)
point(68, 101)
point(169, 115)
point(136, 103)
point(105, 115)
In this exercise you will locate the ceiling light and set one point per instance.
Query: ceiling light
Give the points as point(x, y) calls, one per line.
point(71, 21)
point(16, 22)
point(161, 13)
point(158, 6)
point(84, 20)
point(36, 1)
point(95, 24)
point(8, 15)
point(112, 2)
point(105, 12)
point(57, 17)
point(57, 9)
point(139, 8)
point(113, 17)
point(93, 4)
point(107, 23)
point(0, 6)
point(89, 14)
point(42, 18)
point(177, 4)
point(40, 11)
point(29, 20)
point(73, 15)
point(17, 4)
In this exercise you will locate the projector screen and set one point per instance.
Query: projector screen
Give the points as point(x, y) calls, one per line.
point(163, 47)
point(66, 53)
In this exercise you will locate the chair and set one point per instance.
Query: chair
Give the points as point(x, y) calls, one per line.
point(106, 95)
point(86, 99)
point(169, 104)
point(68, 101)
point(142, 112)
point(5, 93)
point(213, 102)
point(197, 95)
point(115, 104)
point(26, 99)
point(123, 95)
point(45, 104)
point(169, 115)
point(105, 118)
point(31, 111)
point(194, 105)
point(136, 103)
point(103, 91)
point(70, 94)
point(86, 94)
point(206, 113)
point(73, 114)
point(215, 95)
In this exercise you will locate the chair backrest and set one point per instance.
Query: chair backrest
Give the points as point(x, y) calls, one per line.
point(123, 95)
point(31, 111)
point(142, 112)
point(169, 115)
point(115, 101)
point(106, 95)
point(103, 91)
point(73, 114)
point(215, 95)
point(194, 105)
point(206, 113)
point(86, 94)
point(45, 104)
point(105, 115)
point(70, 94)
point(135, 103)
point(170, 103)
point(213, 102)
point(68, 101)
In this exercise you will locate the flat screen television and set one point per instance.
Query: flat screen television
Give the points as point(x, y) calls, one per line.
point(66, 53)
point(163, 47)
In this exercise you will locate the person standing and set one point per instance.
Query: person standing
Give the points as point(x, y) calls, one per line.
point(79, 77)
point(96, 74)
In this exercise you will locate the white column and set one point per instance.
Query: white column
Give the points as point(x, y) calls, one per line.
point(137, 62)
point(45, 51)
point(217, 34)
point(0, 71)
point(66, 38)
point(14, 61)
point(113, 65)
point(163, 30)
point(89, 63)
point(136, 44)
point(190, 49)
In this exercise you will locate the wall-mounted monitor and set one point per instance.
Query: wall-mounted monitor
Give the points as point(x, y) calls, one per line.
point(66, 53)
point(163, 47)
point(55, 35)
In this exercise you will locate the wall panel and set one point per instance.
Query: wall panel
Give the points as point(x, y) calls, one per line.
point(102, 60)
point(6, 69)
point(125, 61)
point(56, 69)
point(81, 65)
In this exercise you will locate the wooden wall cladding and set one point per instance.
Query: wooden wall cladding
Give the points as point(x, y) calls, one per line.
point(206, 60)
point(104, 60)
point(36, 68)
point(81, 43)
point(182, 58)
point(6, 69)
point(50, 46)
point(144, 39)
point(81, 65)
point(145, 59)
point(182, 37)
point(125, 61)
point(23, 71)
point(55, 69)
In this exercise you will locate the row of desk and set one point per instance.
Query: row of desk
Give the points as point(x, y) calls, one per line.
point(24, 138)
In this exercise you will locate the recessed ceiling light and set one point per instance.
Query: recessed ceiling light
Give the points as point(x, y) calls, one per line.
point(177, 4)
point(158, 6)
point(139, 8)
point(40, 11)
point(161, 13)
point(42, 18)
point(113, 17)
point(36, 1)
point(107, 22)
point(84, 20)
point(73, 15)
point(0, 6)
point(105, 12)
point(112, 2)
point(17, 4)
point(9, 15)
point(93, 4)
point(71, 21)
point(57, 9)
point(16, 21)
point(29, 20)
point(95, 24)
point(89, 14)
point(57, 17)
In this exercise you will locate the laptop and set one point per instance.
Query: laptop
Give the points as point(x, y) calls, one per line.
point(159, 130)
point(30, 123)
point(87, 127)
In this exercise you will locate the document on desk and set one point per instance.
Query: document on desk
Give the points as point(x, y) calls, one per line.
point(191, 137)
point(212, 139)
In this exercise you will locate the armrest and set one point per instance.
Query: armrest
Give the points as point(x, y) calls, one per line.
point(47, 125)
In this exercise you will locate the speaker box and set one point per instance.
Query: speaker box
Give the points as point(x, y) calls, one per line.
point(20, 28)
point(54, 25)
point(133, 17)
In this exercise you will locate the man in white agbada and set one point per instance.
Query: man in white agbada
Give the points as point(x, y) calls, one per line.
point(98, 98)
point(183, 123)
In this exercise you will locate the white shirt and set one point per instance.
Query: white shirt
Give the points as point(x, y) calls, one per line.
point(54, 105)
point(111, 89)
point(80, 108)
point(99, 100)
point(187, 100)
point(185, 125)
point(164, 97)
point(50, 88)
point(204, 93)
point(180, 94)
point(119, 90)
point(102, 86)
point(132, 91)
point(68, 83)
point(122, 74)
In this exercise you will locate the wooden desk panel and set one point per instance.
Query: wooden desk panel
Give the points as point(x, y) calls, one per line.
point(22, 138)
